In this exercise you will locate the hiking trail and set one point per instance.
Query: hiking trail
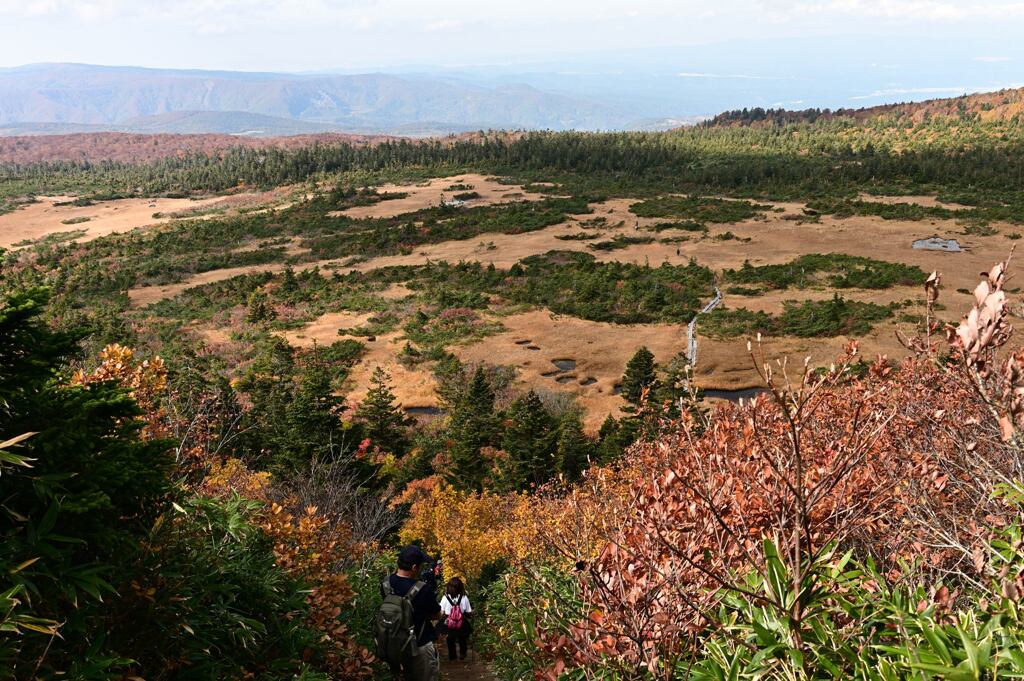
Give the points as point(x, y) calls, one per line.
point(470, 669)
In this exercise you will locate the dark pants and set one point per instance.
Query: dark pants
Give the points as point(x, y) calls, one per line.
point(458, 637)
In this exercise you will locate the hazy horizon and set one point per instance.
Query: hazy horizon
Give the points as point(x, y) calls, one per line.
point(322, 35)
point(594, 65)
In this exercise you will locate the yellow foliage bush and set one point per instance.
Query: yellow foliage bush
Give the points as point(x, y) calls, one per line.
point(469, 530)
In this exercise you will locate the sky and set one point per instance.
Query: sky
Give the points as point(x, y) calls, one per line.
point(324, 35)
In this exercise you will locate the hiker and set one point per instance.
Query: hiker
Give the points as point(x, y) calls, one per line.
point(405, 628)
point(456, 608)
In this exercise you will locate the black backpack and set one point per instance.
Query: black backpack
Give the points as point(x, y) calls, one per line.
point(396, 633)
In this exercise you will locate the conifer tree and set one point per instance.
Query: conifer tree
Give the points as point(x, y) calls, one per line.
point(289, 284)
point(574, 449)
point(529, 440)
point(472, 427)
point(386, 423)
point(314, 427)
point(268, 383)
point(259, 308)
point(609, 447)
point(641, 374)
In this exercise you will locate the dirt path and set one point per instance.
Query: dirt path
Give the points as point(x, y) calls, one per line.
point(471, 669)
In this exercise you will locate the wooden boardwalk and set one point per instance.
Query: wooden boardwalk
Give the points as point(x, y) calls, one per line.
point(691, 329)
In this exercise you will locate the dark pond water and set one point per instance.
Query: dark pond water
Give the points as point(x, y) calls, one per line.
point(616, 390)
point(735, 395)
point(424, 411)
point(589, 380)
point(565, 379)
point(564, 364)
point(523, 342)
point(532, 347)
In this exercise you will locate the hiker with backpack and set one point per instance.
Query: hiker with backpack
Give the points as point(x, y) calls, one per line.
point(405, 629)
point(456, 609)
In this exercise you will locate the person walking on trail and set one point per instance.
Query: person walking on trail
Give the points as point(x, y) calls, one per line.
point(405, 622)
point(457, 610)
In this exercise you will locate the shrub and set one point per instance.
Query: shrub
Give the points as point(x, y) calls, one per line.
point(697, 209)
point(836, 269)
point(807, 319)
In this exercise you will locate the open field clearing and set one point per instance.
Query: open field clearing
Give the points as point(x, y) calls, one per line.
point(430, 193)
point(601, 350)
point(725, 364)
point(926, 201)
point(551, 353)
point(38, 220)
point(325, 330)
point(582, 358)
point(58, 215)
point(770, 240)
point(413, 387)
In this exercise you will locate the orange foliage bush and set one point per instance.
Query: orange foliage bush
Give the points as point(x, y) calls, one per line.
point(897, 465)
point(146, 380)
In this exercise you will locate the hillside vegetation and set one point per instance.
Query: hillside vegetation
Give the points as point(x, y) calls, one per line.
point(216, 431)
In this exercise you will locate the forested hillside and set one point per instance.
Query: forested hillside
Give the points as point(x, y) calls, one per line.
point(234, 383)
point(989, 106)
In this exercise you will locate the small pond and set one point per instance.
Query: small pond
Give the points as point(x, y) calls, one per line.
point(564, 364)
point(424, 411)
point(735, 395)
point(936, 243)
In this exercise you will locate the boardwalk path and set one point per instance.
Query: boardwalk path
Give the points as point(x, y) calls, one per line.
point(691, 330)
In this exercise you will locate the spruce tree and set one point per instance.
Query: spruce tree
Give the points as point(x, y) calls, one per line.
point(386, 423)
point(641, 374)
point(268, 383)
point(608, 446)
point(289, 284)
point(574, 448)
point(472, 427)
point(313, 425)
point(529, 441)
point(259, 308)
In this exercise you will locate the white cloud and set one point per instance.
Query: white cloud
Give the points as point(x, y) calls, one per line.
point(915, 10)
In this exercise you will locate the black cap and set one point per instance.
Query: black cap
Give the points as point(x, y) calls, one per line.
point(413, 555)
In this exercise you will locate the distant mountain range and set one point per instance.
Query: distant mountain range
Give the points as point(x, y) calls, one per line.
point(64, 98)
